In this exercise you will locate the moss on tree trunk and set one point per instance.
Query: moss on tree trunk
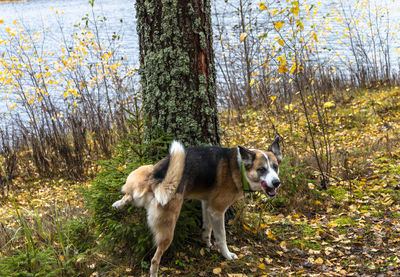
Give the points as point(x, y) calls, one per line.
point(177, 69)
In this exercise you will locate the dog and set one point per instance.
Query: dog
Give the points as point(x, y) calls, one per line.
point(217, 176)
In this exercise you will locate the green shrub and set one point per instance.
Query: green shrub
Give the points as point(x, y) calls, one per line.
point(294, 192)
point(81, 235)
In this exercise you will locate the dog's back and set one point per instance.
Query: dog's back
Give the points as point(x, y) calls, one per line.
point(203, 166)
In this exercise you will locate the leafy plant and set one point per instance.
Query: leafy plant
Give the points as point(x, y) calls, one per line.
point(43, 254)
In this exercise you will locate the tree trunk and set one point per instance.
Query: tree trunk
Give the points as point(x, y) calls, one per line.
point(177, 70)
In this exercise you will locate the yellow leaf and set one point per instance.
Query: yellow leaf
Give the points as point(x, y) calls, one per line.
point(278, 25)
point(295, 10)
point(289, 107)
point(314, 35)
point(262, 6)
point(270, 235)
point(1, 21)
point(328, 105)
point(243, 36)
point(319, 261)
point(261, 266)
point(283, 68)
point(217, 270)
point(119, 168)
point(293, 68)
point(272, 99)
point(332, 224)
point(268, 260)
point(281, 59)
point(299, 24)
point(15, 22)
point(281, 42)
point(273, 11)
point(252, 82)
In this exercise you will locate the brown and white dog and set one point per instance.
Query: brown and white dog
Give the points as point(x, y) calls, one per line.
point(215, 175)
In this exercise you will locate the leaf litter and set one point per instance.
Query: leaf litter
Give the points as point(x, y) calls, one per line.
point(354, 229)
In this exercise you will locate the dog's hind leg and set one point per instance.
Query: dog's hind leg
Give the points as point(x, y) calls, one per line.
point(162, 220)
point(207, 228)
point(122, 202)
point(218, 226)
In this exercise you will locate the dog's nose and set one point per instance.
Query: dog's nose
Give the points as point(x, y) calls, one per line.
point(276, 183)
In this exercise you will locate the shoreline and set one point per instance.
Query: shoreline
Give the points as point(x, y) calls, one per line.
point(11, 1)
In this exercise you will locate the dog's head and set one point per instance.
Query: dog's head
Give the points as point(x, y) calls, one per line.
point(262, 167)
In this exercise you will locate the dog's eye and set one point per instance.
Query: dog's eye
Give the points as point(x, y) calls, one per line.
point(275, 167)
point(261, 170)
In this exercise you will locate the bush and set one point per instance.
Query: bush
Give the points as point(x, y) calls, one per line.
point(295, 193)
point(80, 234)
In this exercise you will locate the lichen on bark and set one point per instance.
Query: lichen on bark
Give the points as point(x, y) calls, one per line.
point(177, 69)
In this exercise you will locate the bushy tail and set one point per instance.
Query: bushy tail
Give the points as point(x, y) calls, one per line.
point(166, 189)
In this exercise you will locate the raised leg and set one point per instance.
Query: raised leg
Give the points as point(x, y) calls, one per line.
point(122, 202)
point(162, 220)
point(207, 228)
point(218, 226)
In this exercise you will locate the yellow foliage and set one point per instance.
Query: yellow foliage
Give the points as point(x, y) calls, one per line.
point(262, 6)
point(243, 36)
point(329, 105)
point(283, 68)
point(278, 25)
point(293, 68)
point(273, 11)
point(295, 10)
point(251, 82)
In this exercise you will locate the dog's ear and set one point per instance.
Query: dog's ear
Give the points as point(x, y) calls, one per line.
point(246, 155)
point(276, 149)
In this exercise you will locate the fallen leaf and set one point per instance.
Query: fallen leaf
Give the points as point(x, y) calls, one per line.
point(319, 261)
point(217, 270)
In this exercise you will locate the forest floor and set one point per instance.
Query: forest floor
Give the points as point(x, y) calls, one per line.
point(350, 229)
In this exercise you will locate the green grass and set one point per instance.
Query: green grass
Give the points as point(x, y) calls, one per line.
point(344, 224)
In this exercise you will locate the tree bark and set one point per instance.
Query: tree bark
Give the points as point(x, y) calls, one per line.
point(177, 70)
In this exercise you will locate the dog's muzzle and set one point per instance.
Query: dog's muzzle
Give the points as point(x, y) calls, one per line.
point(268, 190)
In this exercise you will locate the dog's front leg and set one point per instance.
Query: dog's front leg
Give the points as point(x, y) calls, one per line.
point(218, 226)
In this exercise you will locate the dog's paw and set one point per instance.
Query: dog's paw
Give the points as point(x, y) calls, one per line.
point(230, 256)
point(206, 237)
point(116, 205)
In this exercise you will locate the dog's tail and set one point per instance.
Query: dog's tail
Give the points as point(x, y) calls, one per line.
point(166, 189)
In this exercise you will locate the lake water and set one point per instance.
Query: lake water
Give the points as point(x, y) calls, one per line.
point(37, 13)
point(66, 13)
